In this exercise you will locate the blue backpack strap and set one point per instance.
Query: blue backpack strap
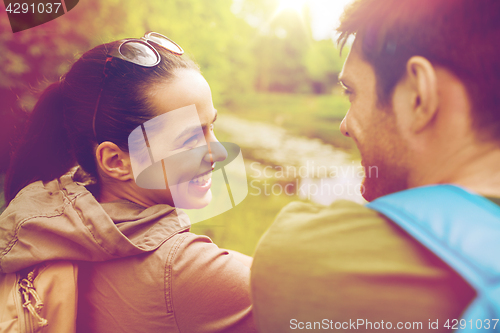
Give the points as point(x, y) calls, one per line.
point(461, 228)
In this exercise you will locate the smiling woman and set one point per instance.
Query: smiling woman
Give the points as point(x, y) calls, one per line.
point(73, 189)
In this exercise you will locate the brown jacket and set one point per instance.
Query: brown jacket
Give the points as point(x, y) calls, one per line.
point(141, 270)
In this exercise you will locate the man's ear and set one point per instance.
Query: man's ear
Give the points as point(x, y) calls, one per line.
point(422, 79)
point(113, 161)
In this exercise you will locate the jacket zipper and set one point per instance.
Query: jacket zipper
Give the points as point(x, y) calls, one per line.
point(28, 295)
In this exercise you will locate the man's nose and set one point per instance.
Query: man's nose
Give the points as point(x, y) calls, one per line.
point(343, 126)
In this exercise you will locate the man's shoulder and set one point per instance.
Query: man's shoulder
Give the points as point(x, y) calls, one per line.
point(301, 222)
point(310, 234)
point(343, 262)
point(339, 211)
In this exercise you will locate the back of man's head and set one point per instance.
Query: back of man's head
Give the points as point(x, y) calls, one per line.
point(459, 35)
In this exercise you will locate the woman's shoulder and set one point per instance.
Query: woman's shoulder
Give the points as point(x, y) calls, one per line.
point(186, 253)
point(204, 281)
point(188, 258)
point(191, 278)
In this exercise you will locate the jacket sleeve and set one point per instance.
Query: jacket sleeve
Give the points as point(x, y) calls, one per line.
point(207, 288)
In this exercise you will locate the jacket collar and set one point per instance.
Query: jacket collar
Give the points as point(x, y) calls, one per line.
point(61, 220)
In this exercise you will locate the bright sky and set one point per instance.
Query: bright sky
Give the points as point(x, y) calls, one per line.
point(325, 14)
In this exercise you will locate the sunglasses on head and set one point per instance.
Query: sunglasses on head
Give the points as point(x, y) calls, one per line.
point(142, 52)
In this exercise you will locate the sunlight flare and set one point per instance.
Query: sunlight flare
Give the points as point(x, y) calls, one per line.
point(296, 5)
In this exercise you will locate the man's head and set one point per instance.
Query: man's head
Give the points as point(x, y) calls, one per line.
point(423, 74)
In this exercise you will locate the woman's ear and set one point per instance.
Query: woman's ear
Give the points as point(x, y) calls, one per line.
point(422, 80)
point(113, 161)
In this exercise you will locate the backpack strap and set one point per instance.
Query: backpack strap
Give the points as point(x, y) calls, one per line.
point(461, 228)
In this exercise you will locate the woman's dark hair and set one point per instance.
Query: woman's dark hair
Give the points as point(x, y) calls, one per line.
point(59, 133)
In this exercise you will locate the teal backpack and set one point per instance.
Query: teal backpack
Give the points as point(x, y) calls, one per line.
point(461, 228)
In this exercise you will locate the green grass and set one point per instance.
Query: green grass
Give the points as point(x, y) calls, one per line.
point(241, 227)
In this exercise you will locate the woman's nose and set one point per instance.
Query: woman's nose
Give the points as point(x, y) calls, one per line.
point(216, 152)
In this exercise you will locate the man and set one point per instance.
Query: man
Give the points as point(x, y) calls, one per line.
point(423, 79)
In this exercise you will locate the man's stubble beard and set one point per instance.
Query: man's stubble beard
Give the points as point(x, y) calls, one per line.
point(384, 160)
point(390, 179)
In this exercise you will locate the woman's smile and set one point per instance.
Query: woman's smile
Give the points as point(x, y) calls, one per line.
point(202, 182)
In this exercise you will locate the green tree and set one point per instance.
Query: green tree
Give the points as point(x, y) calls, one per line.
point(281, 53)
point(289, 59)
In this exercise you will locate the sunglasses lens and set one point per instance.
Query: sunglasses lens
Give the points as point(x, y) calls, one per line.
point(165, 42)
point(139, 53)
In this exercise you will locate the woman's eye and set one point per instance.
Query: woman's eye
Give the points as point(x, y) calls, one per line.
point(192, 141)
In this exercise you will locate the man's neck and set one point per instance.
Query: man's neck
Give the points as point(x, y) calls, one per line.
point(474, 167)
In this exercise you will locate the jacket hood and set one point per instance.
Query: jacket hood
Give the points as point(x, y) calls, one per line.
point(61, 220)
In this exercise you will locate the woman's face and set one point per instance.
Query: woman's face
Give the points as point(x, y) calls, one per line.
point(182, 141)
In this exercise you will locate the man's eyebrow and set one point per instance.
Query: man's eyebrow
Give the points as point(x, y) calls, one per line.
point(196, 128)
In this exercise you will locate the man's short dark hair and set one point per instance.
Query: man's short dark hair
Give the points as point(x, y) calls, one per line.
point(462, 36)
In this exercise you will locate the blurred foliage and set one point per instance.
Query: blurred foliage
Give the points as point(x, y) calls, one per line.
point(208, 31)
point(289, 60)
point(313, 116)
point(324, 63)
point(242, 46)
